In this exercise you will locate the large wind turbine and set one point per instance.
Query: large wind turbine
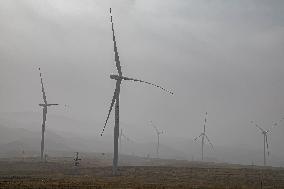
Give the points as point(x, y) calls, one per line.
point(265, 141)
point(158, 137)
point(115, 98)
point(44, 113)
point(203, 137)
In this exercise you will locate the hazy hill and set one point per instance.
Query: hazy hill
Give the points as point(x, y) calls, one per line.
point(21, 131)
point(16, 140)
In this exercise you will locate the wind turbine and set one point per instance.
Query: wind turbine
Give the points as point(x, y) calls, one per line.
point(204, 136)
point(158, 138)
point(265, 141)
point(115, 98)
point(44, 113)
point(125, 137)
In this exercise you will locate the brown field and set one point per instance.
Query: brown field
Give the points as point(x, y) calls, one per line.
point(154, 174)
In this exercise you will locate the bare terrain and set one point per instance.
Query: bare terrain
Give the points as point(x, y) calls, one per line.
point(134, 172)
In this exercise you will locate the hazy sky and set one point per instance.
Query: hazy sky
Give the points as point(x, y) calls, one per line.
point(224, 57)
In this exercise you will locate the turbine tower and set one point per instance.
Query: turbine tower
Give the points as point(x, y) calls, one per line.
point(265, 141)
point(115, 98)
point(44, 113)
point(204, 136)
point(158, 138)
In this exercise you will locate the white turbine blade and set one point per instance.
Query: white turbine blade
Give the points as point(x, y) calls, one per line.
point(52, 104)
point(42, 87)
point(116, 56)
point(258, 126)
point(138, 80)
point(197, 137)
point(126, 138)
point(115, 95)
point(156, 129)
point(154, 126)
point(275, 124)
point(209, 141)
point(161, 132)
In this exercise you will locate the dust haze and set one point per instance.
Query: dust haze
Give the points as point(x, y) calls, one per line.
point(221, 57)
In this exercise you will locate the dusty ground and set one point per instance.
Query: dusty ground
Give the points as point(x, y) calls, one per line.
point(61, 173)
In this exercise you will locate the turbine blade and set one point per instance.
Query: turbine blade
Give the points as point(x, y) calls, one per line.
point(126, 137)
point(275, 124)
point(138, 80)
point(52, 104)
point(258, 126)
point(42, 87)
point(197, 137)
point(209, 141)
point(115, 96)
point(156, 129)
point(116, 55)
point(154, 126)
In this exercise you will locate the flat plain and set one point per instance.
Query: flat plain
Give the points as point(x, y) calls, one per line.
point(135, 173)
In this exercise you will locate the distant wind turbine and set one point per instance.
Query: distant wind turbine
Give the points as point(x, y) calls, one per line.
point(122, 135)
point(44, 113)
point(265, 141)
point(115, 98)
point(158, 138)
point(204, 136)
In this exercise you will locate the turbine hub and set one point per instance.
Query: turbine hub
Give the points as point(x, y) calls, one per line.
point(116, 77)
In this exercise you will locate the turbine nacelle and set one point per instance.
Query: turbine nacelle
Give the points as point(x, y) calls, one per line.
point(116, 77)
